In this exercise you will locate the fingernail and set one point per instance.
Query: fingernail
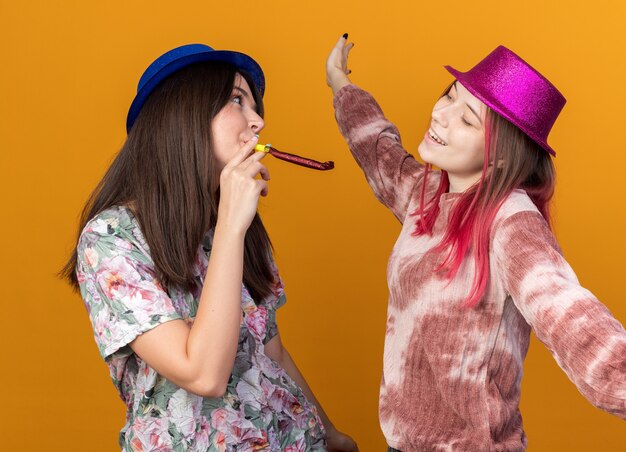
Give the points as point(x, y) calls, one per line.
point(256, 137)
point(345, 35)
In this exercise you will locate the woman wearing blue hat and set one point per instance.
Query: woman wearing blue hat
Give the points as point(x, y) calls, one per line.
point(175, 268)
point(475, 266)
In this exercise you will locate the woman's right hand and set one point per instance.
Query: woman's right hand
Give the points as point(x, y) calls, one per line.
point(240, 189)
point(337, 64)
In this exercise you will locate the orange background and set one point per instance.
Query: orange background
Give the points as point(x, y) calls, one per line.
point(69, 71)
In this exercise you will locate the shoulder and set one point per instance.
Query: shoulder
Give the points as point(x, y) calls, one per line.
point(518, 201)
point(116, 221)
point(112, 232)
point(110, 221)
point(518, 212)
point(519, 221)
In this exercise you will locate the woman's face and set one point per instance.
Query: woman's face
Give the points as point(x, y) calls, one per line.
point(236, 123)
point(455, 141)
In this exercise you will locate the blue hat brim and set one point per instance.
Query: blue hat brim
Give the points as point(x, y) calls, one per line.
point(240, 60)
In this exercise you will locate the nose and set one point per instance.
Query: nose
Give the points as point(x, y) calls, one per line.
point(256, 122)
point(440, 115)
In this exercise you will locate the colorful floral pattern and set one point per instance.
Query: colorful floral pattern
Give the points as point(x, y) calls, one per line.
point(263, 409)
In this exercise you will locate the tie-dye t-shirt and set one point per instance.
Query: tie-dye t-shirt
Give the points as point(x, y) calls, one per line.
point(262, 409)
point(451, 375)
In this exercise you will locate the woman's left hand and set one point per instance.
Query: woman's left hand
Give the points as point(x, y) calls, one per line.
point(340, 442)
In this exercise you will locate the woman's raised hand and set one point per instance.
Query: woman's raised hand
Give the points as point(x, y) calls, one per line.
point(337, 64)
point(240, 189)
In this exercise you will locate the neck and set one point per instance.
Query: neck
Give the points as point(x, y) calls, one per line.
point(460, 183)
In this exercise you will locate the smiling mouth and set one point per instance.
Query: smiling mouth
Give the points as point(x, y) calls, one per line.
point(436, 138)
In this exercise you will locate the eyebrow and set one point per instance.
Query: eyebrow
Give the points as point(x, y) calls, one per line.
point(242, 91)
point(468, 105)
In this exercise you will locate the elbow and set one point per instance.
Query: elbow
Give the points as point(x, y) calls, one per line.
point(210, 390)
point(609, 397)
point(217, 391)
point(208, 386)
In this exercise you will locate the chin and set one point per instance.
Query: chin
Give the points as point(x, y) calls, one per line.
point(425, 153)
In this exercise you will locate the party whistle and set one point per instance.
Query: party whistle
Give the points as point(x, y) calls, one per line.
point(295, 159)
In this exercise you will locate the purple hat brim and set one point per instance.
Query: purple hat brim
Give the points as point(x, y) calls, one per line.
point(240, 60)
point(498, 108)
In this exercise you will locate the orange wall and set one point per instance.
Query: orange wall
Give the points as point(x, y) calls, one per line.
point(68, 74)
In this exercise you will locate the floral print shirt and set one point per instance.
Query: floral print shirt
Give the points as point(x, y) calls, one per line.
point(262, 409)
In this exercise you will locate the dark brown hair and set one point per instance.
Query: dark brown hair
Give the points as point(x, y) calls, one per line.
point(167, 172)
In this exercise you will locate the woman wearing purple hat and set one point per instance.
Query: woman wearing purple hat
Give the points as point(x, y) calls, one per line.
point(176, 270)
point(476, 265)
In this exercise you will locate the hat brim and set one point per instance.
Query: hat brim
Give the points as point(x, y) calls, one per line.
point(240, 60)
point(496, 106)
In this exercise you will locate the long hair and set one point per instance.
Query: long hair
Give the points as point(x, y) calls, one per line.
point(512, 160)
point(167, 171)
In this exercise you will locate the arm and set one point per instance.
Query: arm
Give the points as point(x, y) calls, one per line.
point(200, 358)
point(374, 142)
point(337, 441)
point(588, 343)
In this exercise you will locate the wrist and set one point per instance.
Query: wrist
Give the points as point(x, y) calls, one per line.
point(226, 230)
point(338, 81)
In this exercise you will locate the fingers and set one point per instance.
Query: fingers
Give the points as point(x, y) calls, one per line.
point(346, 50)
point(341, 41)
point(264, 172)
point(337, 64)
point(256, 168)
point(252, 166)
point(243, 170)
point(255, 157)
point(339, 52)
point(341, 48)
point(263, 187)
point(244, 152)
